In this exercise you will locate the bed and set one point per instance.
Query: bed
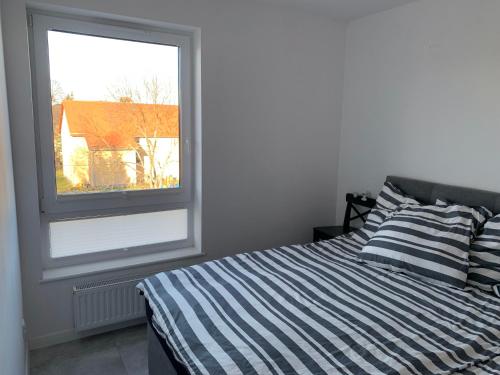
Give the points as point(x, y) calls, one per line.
point(316, 309)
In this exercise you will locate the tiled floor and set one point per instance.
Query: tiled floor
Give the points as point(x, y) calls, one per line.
point(122, 352)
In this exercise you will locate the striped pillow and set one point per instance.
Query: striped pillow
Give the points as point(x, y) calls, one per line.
point(391, 198)
point(373, 222)
point(388, 201)
point(480, 214)
point(484, 271)
point(429, 242)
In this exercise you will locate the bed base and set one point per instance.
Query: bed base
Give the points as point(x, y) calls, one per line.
point(161, 359)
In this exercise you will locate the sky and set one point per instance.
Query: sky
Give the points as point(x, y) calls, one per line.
point(93, 68)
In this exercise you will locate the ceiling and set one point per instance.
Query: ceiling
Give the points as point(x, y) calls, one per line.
point(345, 10)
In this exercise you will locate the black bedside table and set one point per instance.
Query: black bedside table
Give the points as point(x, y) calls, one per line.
point(327, 233)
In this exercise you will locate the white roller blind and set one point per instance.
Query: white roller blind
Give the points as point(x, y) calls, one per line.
point(84, 236)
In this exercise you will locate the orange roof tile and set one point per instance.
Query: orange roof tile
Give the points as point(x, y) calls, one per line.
point(116, 125)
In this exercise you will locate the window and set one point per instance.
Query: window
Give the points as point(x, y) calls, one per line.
point(115, 114)
point(113, 110)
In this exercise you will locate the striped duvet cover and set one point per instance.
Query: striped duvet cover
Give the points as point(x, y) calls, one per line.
point(316, 309)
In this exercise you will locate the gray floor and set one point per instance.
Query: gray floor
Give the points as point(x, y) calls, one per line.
point(122, 352)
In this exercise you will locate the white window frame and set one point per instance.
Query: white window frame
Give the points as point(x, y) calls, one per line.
point(88, 205)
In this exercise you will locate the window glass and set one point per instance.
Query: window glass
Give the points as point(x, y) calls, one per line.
point(115, 114)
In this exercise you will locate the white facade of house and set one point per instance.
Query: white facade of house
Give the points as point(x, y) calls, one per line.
point(75, 155)
point(82, 166)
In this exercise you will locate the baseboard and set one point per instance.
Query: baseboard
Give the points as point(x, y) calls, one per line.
point(62, 337)
point(26, 348)
point(26, 360)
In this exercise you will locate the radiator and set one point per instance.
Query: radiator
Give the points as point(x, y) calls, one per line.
point(100, 303)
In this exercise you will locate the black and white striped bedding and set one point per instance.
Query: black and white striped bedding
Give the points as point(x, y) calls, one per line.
point(391, 198)
point(316, 309)
point(484, 271)
point(374, 220)
point(480, 214)
point(430, 242)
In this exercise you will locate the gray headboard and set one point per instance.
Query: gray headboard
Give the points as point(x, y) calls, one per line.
point(428, 192)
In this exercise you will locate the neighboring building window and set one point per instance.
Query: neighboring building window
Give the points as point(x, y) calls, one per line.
point(114, 123)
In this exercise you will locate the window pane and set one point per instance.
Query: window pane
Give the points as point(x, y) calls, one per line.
point(84, 236)
point(115, 114)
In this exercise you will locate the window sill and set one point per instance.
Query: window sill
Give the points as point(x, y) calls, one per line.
point(69, 272)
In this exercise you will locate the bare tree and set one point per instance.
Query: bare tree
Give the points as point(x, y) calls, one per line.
point(57, 97)
point(57, 92)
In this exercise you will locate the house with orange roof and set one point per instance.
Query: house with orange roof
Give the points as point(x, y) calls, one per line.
point(119, 144)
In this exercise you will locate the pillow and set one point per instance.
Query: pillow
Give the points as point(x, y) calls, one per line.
point(391, 198)
point(442, 202)
point(484, 271)
point(388, 201)
point(480, 214)
point(429, 242)
point(373, 222)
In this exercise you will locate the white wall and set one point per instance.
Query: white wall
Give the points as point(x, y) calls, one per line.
point(421, 96)
point(271, 93)
point(12, 348)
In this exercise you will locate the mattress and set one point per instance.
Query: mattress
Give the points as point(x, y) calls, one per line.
point(316, 309)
